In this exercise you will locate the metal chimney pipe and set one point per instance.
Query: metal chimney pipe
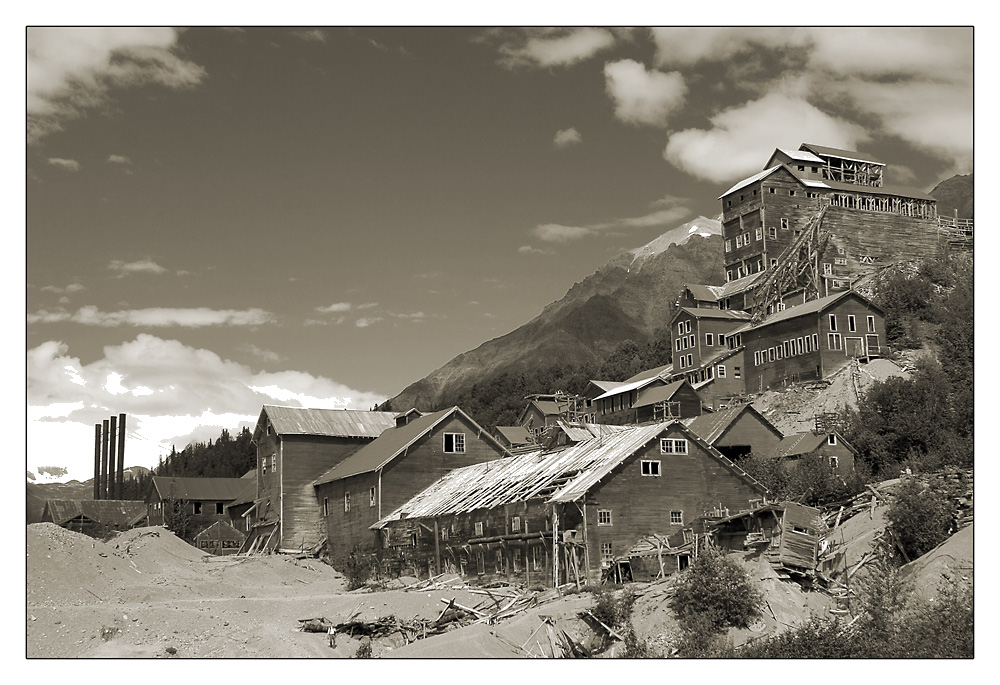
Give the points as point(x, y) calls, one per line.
point(104, 462)
point(112, 444)
point(121, 454)
point(97, 461)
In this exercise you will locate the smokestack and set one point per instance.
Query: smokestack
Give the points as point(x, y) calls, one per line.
point(104, 462)
point(97, 461)
point(112, 443)
point(121, 454)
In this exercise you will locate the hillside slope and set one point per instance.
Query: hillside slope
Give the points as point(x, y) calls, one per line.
point(629, 298)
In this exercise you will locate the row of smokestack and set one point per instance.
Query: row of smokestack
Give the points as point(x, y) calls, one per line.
point(109, 479)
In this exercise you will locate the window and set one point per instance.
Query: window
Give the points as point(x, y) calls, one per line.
point(692, 340)
point(791, 192)
point(851, 325)
point(326, 507)
point(480, 563)
point(372, 497)
point(784, 349)
point(517, 559)
point(739, 272)
point(677, 345)
point(801, 167)
point(777, 353)
point(687, 326)
point(871, 324)
point(784, 223)
point(770, 191)
point(479, 528)
point(347, 501)
point(515, 524)
point(827, 268)
point(722, 371)
point(756, 358)
point(219, 508)
point(756, 234)
point(746, 238)
point(833, 341)
point(834, 462)
point(729, 246)
point(677, 518)
point(798, 344)
point(454, 443)
point(684, 343)
point(537, 557)
point(274, 462)
point(729, 275)
point(197, 507)
point(680, 362)
point(604, 517)
point(815, 169)
point(833, 322)
point(709, 339)
point(760, 265)
point(816, 341)
point(770, 354)
point(607, 554)
point(840, 261)
point(831, 439)
point(673, 446)
point(772, 232)
point(648, 467)
point(499, 561)
point(739, 242)
point(736, 372)
point(690, 360)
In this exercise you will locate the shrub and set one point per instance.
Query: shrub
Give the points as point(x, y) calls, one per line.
point(613, 607)
point(715, 593)
point(359, 570)
point(920, 517)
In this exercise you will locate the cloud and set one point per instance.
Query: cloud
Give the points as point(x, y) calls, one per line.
point(416, 317)
point(119, 159)
point(168, 390)
point(557, 233)
point(741, 136)
point(156, 317)
point(259, 353)
point(311, 36)
point(68, 290)
point(544, 47)
point(366, 321)
point(528, 249)
point(72, 70)
point(67, 164)
point(641, 96)
point(684, 46)
point(142, 266)
point(335, 307)
point(668, 211)
point(567, 137)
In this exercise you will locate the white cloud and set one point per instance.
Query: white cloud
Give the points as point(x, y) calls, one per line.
point(641, 96)
point(75, 69)
point(686, 46)
point(557, 233)
point(541, 47)
point(311, 36)
point(567, 137)
point(67, 164)
point(366, 321)
point(667, 212)
point(528, 249)
point(742, 136)
point(142, 266)
point(68, 290)
point(168, 391)
point(260, 353)
point(155, 317)
point(335, 307)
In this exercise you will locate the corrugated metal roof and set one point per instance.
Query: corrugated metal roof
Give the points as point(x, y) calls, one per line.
point(628, 387)
point(753, 179)
point(344, 423)
point(660, 393)
point(608, 385)
point(562, 475)
point(651, 373)
point(740, 284)
point(737, 314)
point(515, 435)
point(203, 489)
point(801, 155)
point(702, 293)
point(110, 512)
point(394, 441)
point(851, 155)
point(578, 432)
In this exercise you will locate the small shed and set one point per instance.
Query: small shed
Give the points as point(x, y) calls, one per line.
point(220, 538)
point(788, 534)
point(94, 517)
point(827, 446)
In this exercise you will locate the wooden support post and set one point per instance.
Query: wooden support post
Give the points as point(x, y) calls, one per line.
point(437, 549)
point(555, 547)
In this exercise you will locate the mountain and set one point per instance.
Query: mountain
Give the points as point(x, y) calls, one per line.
point(955, 193)
point(629, 298)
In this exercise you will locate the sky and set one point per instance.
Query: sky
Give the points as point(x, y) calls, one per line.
point(221, 218)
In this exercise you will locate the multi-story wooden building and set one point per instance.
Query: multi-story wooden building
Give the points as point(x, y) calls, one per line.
point(384, 474)
point(203, 501)
point(872, 222)
point(809, 341)
point(553, 517)
point(702, 356)
point(737, 431)
point(294, 446)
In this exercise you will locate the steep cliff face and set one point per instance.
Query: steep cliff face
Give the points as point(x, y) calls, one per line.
point(629, 298)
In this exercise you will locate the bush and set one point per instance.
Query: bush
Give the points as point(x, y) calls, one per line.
point(919, 517)
point(715, 593)
point(360, 569)
point(613, 607)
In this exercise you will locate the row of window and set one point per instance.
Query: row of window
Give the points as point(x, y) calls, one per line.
point(788, 348)
point(604, 518)
point(774, 191)
point(267, 462)
point(852, 324)
point(706, 374)
point(372, 501)
point(197, 508)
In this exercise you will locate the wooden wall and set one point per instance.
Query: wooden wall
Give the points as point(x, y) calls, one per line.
point(749, 430)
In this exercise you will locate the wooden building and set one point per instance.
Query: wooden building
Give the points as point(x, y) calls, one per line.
point(737, 431)
point(874, 222)
point(543, 411)
point(94, 517)
point(702, 356)
point(220, 539)
point(557, 516)
point(789, 535)
point(829, 447)
point(203, 501)
point(514, 437)
point(651, 395)
point(810, 341)
point(390, 470)
point(295, 445)
point(240, 510)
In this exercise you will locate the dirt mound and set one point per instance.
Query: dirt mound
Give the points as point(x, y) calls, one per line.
point(154, 549)
point(950, 563)
point(64, 567)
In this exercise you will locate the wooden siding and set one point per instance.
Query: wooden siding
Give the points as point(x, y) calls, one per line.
point(424, 462)
point(844, 455)
point(749, 431)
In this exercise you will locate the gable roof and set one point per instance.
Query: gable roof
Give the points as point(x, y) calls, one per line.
point(629, 387)
point(110, 512)
point(650, 373)
point(658, 393)
point(753, 179)
point(605, 386)
point(815, 307)
point(799, 155)
point(393, 442)
point(342, 423)
point(703, 293)
point(799, 444)
point(822, 150)
point(204, 489)
point(562, 475)
point(515, 435)
point(711, 427)
point(704, 313)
